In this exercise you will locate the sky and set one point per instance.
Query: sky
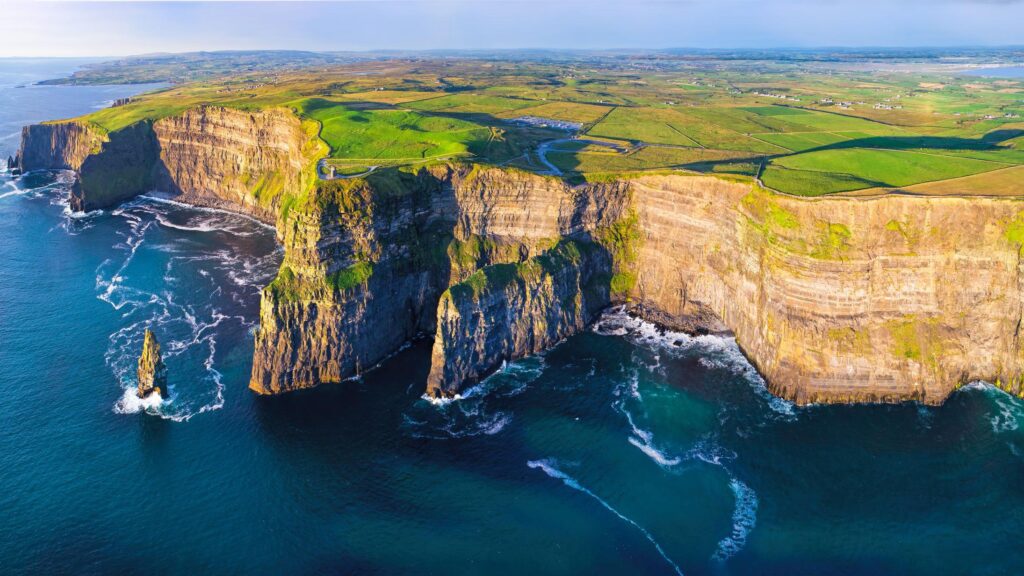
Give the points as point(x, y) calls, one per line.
point(30, 28)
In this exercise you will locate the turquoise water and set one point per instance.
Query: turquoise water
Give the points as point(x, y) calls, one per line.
point(621, 451)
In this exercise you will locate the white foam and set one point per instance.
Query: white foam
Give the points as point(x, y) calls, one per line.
point(744, 517)
point(457, 423)
point(511, 379)
point(659, 457)
point(551, 470)
point(130, 403)
point(711, 453)
point(155, 197)
point(204, 225)
point(644, 439)
point(1009, 408)
point(469, 413)
point(718, 352)
point(443, 401)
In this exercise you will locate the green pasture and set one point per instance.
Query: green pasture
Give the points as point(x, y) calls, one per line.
point(836, 170)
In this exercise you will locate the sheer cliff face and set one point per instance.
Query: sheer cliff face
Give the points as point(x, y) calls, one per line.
point(508, 311)
point(224, 158)
point(249, 162)
point(834, 300)
point(362, 269)
point(60, 146)
point(840, 300)
point(366, 264)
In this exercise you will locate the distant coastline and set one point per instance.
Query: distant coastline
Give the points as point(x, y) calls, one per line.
point(999, 72)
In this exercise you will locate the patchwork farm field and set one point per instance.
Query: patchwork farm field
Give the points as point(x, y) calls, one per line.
point(794, 128)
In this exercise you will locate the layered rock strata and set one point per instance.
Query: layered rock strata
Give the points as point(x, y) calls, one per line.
point(840, 299)
point(152, 372)
point(249, 162)
point(833, 299)
point(508, 311)
point(366, 262)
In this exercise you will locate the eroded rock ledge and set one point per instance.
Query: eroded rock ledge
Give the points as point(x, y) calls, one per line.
point(834, 300)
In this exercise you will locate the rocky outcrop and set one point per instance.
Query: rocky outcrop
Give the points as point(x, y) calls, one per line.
point(362, 266)
point(152, 372)
point(122, 168)
point(249, 162)
point(508, 311)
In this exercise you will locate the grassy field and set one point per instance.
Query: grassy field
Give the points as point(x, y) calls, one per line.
point(594, 159)
point(388, 134)
point(1004, 182)
point(813, 133)
point(837, 170)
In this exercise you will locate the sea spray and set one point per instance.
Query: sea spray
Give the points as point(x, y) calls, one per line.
point(714, 351)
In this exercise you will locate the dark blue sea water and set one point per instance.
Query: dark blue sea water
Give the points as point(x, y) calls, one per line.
point(622, 451)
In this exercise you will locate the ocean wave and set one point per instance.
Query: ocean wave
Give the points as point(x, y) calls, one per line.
point(710, 452)
point(550, 468)
point(13, 193)
point(744, 518)
point(511, 379)
point(452, 421)
point(217, 223)
point(1008, 408)
point(130, 403)
point(189, 331)
point(470, 413)
point(658, 456)
point(155, 197)
point(644, 439)
point(716, 352)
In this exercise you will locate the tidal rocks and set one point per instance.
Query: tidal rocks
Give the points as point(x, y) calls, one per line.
point(152, 372)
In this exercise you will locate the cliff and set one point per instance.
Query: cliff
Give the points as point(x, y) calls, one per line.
point(839, 299)
point(833, 299)
point(367, 260)
point(250, 162)
point(152, 372)
point(508, 311)
point(56, 146)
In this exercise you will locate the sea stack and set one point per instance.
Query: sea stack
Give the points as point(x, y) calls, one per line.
point(152, 371)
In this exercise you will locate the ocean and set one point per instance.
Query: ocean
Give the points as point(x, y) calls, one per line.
point(624, 450)
point(997, 72)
